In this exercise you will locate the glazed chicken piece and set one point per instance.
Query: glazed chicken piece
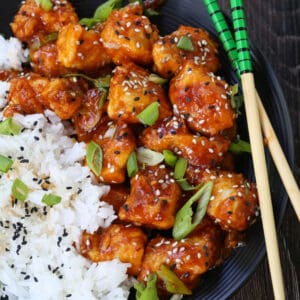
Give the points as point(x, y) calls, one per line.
point(33, 22)
point(234, 200)
point(154, 199)
point(33, 93)
point(116, 196)
point(131, 92)
point(89, 114)
point(168, 58)
point(124, 242)
point(44, 61)
point(129, 36)
point(204, 97)
point(187, 258)
point(117, 141)
point(81, 49)
point(172, 134)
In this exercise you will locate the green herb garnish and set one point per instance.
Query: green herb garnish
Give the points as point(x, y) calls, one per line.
point(185, 43)
point(5, 163)
point(19, 190)
point(94, 157)
point(170, 158)
point(44, 4)
point(180, 168)
point(8, 127)
point(148, 292)
point(132, 165)
point(240, 146)
point(150, 114)
point(157, 79)
point(50, 199)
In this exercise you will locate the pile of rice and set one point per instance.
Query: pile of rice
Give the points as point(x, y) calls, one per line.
point(39, 256)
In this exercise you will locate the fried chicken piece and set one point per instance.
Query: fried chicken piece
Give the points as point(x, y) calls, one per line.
point(81, 49)
point(32, 21)
point(116, 196)
point(129, 36)
point(117, 141)
point(153, 200)
point(131, 92)
point(187, 258)
point(33, 93)
point(168, 58)
point(88, 116)
point(124, 242)
point(44, 61)
point(172, 134)
point(234, 201)
point(204, 97)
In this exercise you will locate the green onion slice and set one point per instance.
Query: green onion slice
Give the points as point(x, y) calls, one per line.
point(149, 157)
point(19, 190)
point(173, 284)
point(101, 82)
point(5, 163)
point(185, 186)
point(94, 157)
point(157, 79)
point(240, 146)
point(170, 158)
point(50, 199)
point(150, 12)
point(235, 100)
point(148, 292)
point(8, 127)
point(185, 43)
point(102, 13)
point(51, 37)
point(186, 220)
point(102, 98)
point(44, 4)
point(150, 114)
point(180, 168)
point(132, 165)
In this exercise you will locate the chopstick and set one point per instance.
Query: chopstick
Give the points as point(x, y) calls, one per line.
point(276, 151)
point(244, 67)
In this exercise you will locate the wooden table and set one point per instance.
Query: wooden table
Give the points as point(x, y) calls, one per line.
point(274, 25)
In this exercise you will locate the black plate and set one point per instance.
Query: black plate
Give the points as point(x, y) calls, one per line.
point(225, 280)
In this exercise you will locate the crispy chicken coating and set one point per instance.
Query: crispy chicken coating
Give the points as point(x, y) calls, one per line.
point(81, 49)
point(204, 97)
point(131, 92)
point(123, 242)
point(116, 196)
point(32, 21)
point(187, 258)
point(234, 201)
point(117, 141)
point(172, 134)
point(153, 200)
point(129, 36)
point(168, 58)
point(33, 93)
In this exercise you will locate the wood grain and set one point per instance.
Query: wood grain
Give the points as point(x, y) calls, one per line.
point(274, 27)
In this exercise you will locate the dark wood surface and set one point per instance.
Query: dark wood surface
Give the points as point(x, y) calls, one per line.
point(274, 27)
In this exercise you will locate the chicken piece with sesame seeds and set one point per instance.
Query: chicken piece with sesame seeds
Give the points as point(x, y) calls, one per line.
point(187, 258)
point(33, 22)
point(118, 241)
point(129, 36)
point(81, 49)
point(32, 93)
point(117, 141)
point(168, 58)
point(154, 199)
point(131, 92)
point(234, 200)
point(172, 134)
point(204, 97)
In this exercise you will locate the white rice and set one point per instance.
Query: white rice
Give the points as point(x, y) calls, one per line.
point(39, 257)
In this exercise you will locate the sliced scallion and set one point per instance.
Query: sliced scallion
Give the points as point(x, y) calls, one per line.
point(148, 292)
point(19, 190)
point(185, 43)
point(240, 146)
point(150, 114)
point(5, 163)
point(44, 4)
point(235, 100)
point(8, 127)
point(157, 79)
point(180, 168)
point(101, 82)
point(185, 186)
point(51, 37)
point(94, 157)
point(173, 284)
point(50, 199)
point(148, 157)
point(186, 220)
point(170, 158)
point(132, 165)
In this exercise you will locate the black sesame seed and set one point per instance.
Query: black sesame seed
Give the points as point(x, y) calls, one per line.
point(36, 138)
point(117, 152)
point(26, 277)
point(35, 279)
point(136, 99)
point(125, 206)
point(69, 188)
